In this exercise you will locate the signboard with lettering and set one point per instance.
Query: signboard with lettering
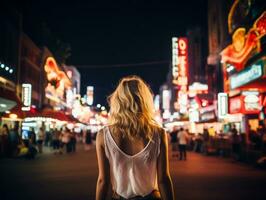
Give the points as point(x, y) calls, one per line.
point(235, 105)
point(247, 103)
point(179, 71)
point(222, 105)
point(89, 99)
point(247, 75)
point(208, 113)
point(26, 96)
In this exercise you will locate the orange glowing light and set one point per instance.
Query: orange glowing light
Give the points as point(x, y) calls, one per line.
point(244, 45)
point(13, 116)
point(230, 16)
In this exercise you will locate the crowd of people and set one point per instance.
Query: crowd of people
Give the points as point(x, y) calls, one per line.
point(12, 144)
point(233, 143)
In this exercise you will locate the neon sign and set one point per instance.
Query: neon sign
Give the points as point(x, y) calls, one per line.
point(182, 78)
point(89, 98)
point(175, 71)
point(58, 81)
point(247, 75)
point(26, 96)
point(245, 43)
point(222, 105)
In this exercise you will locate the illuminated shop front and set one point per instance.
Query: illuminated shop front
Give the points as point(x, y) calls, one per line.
point(56, 92)
point(244, 69)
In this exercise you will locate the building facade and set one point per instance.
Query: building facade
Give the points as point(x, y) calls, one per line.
point(218, 38)
point(244, 65)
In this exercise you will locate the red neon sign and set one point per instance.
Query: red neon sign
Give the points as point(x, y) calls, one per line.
point(245, 44)
point(182, 81)
point(182, 56)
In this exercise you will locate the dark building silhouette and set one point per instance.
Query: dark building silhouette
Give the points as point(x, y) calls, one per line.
point(218, 39)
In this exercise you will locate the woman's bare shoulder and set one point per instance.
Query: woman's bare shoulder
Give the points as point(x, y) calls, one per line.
point(100, 136)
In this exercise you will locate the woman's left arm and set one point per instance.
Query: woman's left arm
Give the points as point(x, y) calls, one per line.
point(104, 168)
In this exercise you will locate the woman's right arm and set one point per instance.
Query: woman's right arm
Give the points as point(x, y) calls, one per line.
point(104, 169)
point(164, 179)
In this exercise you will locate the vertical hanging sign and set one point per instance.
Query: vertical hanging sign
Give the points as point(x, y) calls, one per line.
point(182, 81)
point(26, 96)
point(222, 105)
point(175, 69)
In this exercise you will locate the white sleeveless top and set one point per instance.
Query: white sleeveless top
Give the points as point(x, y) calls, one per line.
point(132, 175)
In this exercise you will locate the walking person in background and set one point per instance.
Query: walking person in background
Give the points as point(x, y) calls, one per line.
point(183, 141)
point(88, 140)
point(132, 150)
point(13, 141)
point(56, 141)
point(4, 140)
point(65, 140)
point(235, 138)
point(174, 142)
point(73, 141)
point(206, 139)
point(32, 137)
point(40, 139)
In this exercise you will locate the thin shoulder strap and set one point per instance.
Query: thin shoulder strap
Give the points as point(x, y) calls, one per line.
point(105, 135)
point(158, 143)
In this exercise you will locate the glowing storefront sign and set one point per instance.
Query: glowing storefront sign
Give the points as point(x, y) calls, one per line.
point(247, 75)
point(89, 98)
point(194, 115)
point(179, 72)
point(175, 70)
point(182, 78)
point(157, 102)
point(166, 99)
point(245, 43)
point(235, 105)
point(26, 96)
point(222, 105)
point(251, 101)
point(58, 82)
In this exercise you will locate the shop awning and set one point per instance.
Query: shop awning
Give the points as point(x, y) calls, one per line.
point(73, 119)
point(50, 113)
point(8, 100)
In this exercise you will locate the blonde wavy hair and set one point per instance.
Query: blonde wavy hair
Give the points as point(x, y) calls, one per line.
point(132, 110)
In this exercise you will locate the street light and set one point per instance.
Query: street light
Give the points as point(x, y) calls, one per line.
point(98, 105)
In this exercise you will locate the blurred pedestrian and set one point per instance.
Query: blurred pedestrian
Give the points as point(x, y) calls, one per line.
point(182, 141)
point(32, 136)
point(73, 140)
point(40, 139)
point(206, 139)
point(263, 139)
point(13, 141)
point(56, 141)
point(4, 140)
point(174, 142)
point(235, 138)
point(88, 139)
point(65, 140)
point(132, 150)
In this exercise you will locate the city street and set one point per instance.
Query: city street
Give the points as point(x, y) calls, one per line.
point(73, 176)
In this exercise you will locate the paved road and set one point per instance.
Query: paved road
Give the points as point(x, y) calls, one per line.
point(73, 177)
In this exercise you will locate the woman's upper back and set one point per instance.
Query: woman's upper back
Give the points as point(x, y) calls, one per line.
point(133, 163)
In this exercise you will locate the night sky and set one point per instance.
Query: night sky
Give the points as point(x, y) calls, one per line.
point(107, 35)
